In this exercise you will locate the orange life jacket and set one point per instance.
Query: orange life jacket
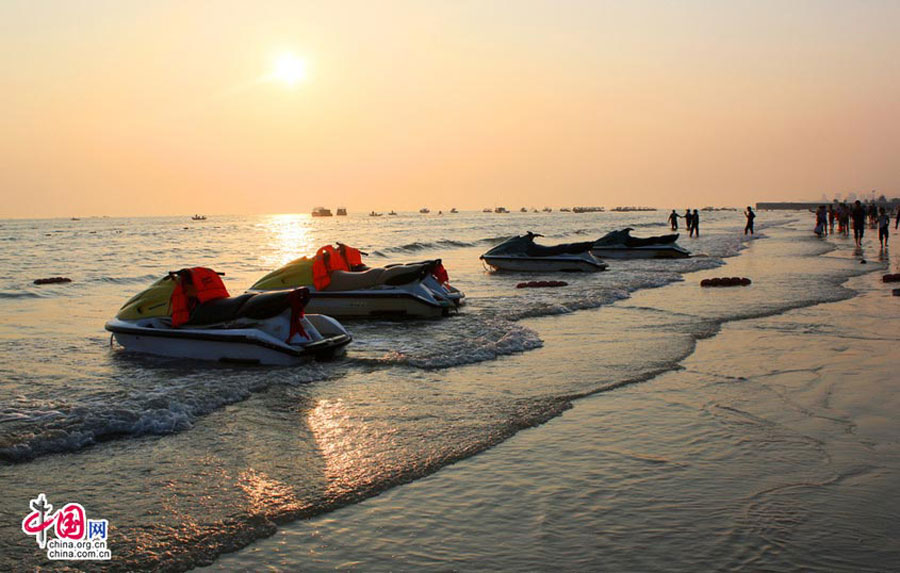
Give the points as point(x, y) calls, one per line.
point(352, 257)
point(328, 259)
point(194, 286)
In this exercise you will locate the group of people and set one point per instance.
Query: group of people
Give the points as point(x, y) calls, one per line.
point(857, 216)
point(691, 220)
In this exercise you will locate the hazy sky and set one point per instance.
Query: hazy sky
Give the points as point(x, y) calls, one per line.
point(153, 107)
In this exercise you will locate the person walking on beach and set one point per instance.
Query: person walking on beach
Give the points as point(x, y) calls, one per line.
point(688, 219)
point(821, 229)
point(695, 224)
point(831, 219)
point(884, 222)
point(673, 220)
point(750, 216)
point(858, 214)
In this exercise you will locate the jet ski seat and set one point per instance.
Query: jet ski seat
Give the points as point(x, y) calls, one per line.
point(253, 306)
point(535, 250)
point(396, 275)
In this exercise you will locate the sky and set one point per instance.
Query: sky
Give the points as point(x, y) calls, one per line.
point(148, 108)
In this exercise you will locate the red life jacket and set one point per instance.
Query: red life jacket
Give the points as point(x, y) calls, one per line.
point(352, 257)
point(194, 286)
point(328, 259)
point(440, 273)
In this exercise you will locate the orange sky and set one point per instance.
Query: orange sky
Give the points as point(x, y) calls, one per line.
point(146, 108)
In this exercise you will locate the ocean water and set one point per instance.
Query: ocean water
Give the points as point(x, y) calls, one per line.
point(190, 460)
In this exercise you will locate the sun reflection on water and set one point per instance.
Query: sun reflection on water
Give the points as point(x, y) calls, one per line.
point(352, 449)
point(290, 238)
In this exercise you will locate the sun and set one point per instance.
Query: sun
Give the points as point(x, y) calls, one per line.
point(289, 70)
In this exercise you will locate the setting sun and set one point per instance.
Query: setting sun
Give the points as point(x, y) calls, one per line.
point(289, 70)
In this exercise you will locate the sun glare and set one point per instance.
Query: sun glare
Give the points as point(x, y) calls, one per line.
point(289, 70)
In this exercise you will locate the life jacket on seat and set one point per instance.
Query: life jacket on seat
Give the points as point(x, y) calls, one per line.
point(192, 287)
point(352, 256)
point(440, 273)
point(328, 259)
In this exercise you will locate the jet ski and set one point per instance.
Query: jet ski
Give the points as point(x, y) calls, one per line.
point(340, 285)
point(188, 314)
point(523, 254)
point(621, 245)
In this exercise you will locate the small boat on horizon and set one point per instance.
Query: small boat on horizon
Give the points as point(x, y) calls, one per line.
point(424, 210)
point(501, 210)
point(374, 214)
point(321, 212)
point(341, 211)
point(198, 218)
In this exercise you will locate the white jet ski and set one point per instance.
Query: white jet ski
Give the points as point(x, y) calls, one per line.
point(415, 290)
point(523, 254)
point(621, 245)
point(249, 329)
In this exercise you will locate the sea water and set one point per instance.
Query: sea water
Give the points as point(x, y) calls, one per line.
point(187, 460)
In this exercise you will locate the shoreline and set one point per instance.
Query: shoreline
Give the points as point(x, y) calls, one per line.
point(467, 492)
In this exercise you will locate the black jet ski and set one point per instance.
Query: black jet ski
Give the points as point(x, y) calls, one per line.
point(523, 254)
point(621, 245)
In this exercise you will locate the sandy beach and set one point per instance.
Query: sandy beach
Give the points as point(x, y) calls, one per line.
point(772, 447)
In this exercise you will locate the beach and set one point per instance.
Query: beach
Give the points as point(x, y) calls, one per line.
point(631, 420)
point(773, 446)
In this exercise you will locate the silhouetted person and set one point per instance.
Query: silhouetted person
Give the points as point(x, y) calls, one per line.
point(750, 216)
point(673, 220)
point(858, 214)
point(821, 228)
point(695, 224)
point(831, 219)
point(688, 219)
point(884, 223)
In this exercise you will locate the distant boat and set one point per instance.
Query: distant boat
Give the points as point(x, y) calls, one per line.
point(392, 213)
point(565, 210)
point(630, 209)
point(75, 219)
point(487, 210)
point(453, 210)
point(523, 210)
point(198, 218)
point(424, 210)
point(374, 214)
point(342, 211)
point(588, 209)
point(500, 210)
point(547, 210)
point(321, 212)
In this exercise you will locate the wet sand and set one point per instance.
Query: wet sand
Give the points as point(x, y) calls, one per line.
point(773, 447)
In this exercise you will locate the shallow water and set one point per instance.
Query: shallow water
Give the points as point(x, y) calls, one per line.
point(187, 461)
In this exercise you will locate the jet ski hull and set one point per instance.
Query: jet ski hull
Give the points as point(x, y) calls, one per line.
point(647, 252)
point(563, 263)
point(388, 303)
point(252, 344)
